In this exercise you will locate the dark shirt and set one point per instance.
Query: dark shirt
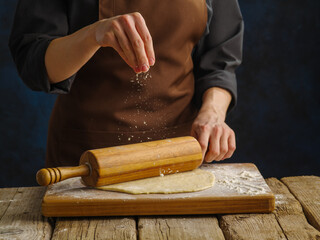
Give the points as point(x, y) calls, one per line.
point(38, 22)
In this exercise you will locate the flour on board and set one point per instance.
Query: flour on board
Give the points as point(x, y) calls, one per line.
point(240, 180)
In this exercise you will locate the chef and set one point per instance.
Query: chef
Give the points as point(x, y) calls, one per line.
point(131, 71)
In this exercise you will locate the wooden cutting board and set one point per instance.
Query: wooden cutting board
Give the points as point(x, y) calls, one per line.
point(239, 188)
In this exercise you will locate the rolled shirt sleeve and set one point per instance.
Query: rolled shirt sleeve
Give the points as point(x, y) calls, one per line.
point(219, 52)
point(36, 24)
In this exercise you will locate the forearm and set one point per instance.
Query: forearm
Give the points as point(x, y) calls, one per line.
point(66, 55)
point(216, 100)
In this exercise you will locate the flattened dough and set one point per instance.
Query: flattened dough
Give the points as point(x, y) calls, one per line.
point(191, 181)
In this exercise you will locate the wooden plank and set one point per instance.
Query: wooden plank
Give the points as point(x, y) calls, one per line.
point(179, 228)
point(251, 227)
point(6, 197)
point(95, 228)
point(239, 188)
point(307, 190)
point(20, 214)
point(289, 213)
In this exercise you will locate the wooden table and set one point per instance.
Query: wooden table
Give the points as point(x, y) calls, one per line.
point(297, 216)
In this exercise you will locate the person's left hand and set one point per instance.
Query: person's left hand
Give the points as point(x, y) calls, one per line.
point(216, 138)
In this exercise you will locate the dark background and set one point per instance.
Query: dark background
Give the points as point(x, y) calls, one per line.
point(276, 120)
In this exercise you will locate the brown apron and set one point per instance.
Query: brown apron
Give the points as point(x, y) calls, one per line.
point(109, 105)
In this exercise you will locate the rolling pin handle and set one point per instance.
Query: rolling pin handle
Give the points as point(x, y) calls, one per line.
point(47, 176)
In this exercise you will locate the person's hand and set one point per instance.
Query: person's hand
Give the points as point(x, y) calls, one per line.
point(129, 36)
point(216, 138)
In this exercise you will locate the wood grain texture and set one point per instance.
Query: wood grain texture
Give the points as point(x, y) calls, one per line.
point(289, 213)
point(251, 227)
point(71, 198)
point(47, 176)
point(307, 190)
point(6, 198)
point(179, 228)
point(95, 228)
point(141, 160)
point(20, 214)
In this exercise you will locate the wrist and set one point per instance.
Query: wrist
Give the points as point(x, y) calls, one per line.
point(91, 35)
point(216, 101)
point(213, 111)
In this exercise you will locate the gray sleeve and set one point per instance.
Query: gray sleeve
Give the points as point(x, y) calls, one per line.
point(219, 52)
point(36, 24)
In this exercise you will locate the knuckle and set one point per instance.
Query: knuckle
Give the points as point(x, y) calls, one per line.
point(231, 132)
point(125, 19)
point(204, 127)
point(232, 147)
point(223, 150)
point(137, 15)
point(137, 43)
point(217, 130)
point(214, 152)
point(147, 38)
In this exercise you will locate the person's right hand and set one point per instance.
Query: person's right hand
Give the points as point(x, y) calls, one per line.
point(129, 36)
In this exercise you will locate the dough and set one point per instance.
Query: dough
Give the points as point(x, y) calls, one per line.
point(191, 181)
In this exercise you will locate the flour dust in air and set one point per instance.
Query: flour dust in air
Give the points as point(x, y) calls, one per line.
point(141, 98)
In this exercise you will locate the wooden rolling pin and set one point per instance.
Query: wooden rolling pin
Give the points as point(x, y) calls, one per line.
point(111, 165)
